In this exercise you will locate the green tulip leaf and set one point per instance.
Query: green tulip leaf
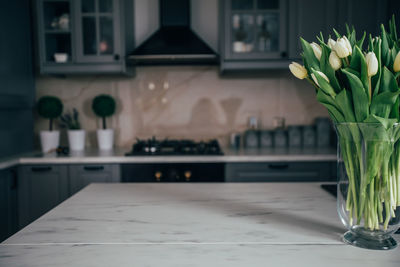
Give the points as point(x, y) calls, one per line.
point(381, 104)
point(385, 46)
point(327, 69)
point(308, 54)
point(375, 80)
point(388, 82)
point(359, 64)
point(324, 85)
point(360, 97)
point(360, 42)
point(343, 101)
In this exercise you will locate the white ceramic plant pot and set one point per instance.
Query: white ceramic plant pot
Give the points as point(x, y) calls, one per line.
point(49, 140)
point(76, 139)
point(105, 139)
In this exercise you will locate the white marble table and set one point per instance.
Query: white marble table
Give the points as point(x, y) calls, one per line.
point(269, 224)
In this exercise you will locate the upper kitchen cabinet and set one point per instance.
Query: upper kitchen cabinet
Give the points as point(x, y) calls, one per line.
point(253, 34)
point(84, 36)
point(307, 18)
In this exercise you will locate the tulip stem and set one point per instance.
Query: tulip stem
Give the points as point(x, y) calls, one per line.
point(370, 89)
point(347, 61)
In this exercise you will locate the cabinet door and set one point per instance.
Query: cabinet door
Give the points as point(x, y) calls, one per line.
point(278, 172)
point(83, 175)
point(254, 29)
point(8, 203)
point(17, 83)
point(55, 32)
point(41, 188)
point(307, 18)
point(97, 31)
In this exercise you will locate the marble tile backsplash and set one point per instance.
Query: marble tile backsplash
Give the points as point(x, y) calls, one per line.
point(183, 102)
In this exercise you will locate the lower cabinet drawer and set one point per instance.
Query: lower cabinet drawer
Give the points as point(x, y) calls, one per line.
point(81, 175)
point(279, 172)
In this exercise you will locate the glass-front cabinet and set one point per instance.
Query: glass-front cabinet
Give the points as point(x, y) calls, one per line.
point(84, 36)
point(253, 31)
point(97, 28)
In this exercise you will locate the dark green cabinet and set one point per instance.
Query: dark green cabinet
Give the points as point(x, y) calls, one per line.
point(40, 188)
point(307, 18)
point(253, 34)
point(8, 203)
point(84, 36)
point(280, 172)
point(82, 175)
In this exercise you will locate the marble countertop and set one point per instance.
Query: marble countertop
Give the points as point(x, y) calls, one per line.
point(118, 156)
point(268, 224)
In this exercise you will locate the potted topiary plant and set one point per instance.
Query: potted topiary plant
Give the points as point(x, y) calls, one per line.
point(104, 106)
point(49, 107)
point(76, 136)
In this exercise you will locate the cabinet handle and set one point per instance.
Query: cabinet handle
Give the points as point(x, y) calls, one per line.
point(116, 57)
point(93, 168)
point(41, 169)
point(284, 54)
point(278, 166)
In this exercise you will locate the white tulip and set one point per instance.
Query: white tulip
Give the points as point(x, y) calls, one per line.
point(396, 64)
point(298, 70)
point(331, 43)
point(348, 45)
point(317, 50)
point(321, 74)
point(335, 61)
point(341, 48)
point(372, 63)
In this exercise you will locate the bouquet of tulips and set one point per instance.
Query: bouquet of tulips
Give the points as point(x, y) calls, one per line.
point(357, 80)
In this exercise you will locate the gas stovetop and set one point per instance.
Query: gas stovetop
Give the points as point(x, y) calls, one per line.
point(154, 147)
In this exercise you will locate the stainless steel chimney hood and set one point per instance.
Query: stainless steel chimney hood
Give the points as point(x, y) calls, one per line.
point(174, 42)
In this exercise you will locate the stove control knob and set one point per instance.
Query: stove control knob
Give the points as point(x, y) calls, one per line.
point(188, 175)
point(158, 176)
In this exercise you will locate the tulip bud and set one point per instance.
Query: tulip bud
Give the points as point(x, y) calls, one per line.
point(348, 45)
point(341, 48)
point(321, 74)
point(396, 64)
point(331, 43)
point(317, 50)
point(335, 61)
point(298, 70)
point(372, 63)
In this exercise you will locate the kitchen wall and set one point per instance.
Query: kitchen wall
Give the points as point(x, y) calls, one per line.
point(186, 102)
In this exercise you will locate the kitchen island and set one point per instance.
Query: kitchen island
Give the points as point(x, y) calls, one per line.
point(268, 224)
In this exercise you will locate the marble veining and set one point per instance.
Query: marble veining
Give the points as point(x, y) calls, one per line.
point(184, 102)
point(268, 224)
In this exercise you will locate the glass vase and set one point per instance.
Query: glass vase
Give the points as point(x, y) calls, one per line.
point(368, 190)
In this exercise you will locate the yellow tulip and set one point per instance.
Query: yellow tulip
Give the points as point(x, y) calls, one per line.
point(396, 64)
point(298, 70)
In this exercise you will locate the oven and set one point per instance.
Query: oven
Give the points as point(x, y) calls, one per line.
point(172, 172)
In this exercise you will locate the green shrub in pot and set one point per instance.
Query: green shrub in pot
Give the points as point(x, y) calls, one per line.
point(49, 107)
point(104, 106)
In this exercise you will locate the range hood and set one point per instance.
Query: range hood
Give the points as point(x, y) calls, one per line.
point(174, 42)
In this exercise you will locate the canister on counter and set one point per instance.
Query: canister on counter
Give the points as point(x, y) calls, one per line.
point(294, 133)
point(309, 137)
point(323, 129)
point(251, 139)
point(280, 138)
point(266, 138)
point(235, 140)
